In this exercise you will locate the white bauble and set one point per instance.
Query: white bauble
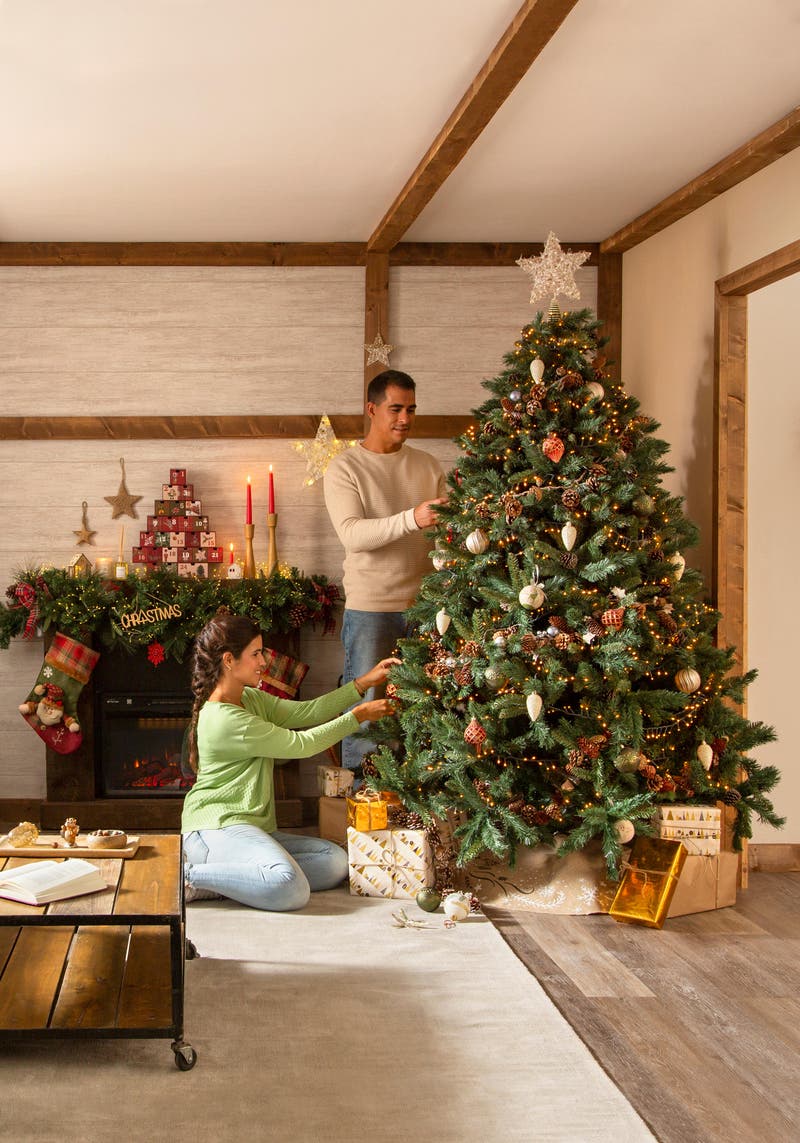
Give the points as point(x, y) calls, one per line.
point(532, 596)
point(537, 369)
point(456, 906)
point(442, 621)
point(624, 830)
point(477, 542)
point(679, 563)
point(533, 705)
point(705, 754)
point(569, 534)
point(595, 390)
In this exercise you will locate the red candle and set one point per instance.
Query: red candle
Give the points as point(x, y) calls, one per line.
point(231, 559)
point(249, 514)
point(271, 504)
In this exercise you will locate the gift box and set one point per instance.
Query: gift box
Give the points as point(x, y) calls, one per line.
point(193, 508)
point(177, 476)
point(334, 781)
point(367, 811)
point(147, 539)
point(214, 554)
point(333, 819)
point(194, 523)
point(648, 882)
point(698, 827)
point(706, 883)
point(389, 862)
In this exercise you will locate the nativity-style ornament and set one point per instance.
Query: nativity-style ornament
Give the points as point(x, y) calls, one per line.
point(123, 504)
point(553, 272)
point(84, 533)
point(378, 351)
point(320, 452)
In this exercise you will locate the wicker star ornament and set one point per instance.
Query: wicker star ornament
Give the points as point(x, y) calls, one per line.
point(321, 451)
point(553, 272)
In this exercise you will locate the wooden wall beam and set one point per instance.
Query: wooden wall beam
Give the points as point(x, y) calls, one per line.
point(182, 253)
point(476, 253)
point(290, 427)
point(779, 139)
point(609, 306)
point(376, 314)
point(529, 32)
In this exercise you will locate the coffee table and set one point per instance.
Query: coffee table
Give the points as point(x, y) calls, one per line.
point(106, 964)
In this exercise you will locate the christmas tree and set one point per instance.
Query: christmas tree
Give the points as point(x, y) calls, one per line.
point(563, 681)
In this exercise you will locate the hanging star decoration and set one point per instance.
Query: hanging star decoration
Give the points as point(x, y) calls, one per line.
point(84, 533)
point(553, 272)
point(378, 351)
point(321, 451)
point(123, 503)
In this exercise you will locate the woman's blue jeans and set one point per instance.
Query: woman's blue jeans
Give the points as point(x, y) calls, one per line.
point(368, 637)
point(275, 871)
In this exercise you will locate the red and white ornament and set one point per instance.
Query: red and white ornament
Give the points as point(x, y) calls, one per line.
point(475, 734)
point(553, 447)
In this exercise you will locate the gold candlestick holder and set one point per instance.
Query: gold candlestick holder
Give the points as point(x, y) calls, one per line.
point(272, 546)
point(249, 570)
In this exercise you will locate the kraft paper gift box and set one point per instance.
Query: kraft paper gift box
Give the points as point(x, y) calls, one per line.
point(706, 883)
point(698, 827)
point(649, 882)
point(334, 781)
point(389, 862)
point(333, 819)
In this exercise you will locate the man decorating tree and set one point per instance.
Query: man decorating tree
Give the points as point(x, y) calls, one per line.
point(381, 496)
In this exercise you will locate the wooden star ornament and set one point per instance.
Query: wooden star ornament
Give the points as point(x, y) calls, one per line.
point(123, 503)
point(84, 533)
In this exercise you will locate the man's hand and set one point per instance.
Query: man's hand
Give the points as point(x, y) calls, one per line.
point(425, 514)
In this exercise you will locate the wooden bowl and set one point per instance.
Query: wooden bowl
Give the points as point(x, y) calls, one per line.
point(106, 839)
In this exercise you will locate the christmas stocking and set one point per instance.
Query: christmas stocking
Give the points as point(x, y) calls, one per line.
point(51, 707)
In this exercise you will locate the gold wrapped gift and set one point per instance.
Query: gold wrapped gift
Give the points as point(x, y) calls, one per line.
point(649, 882)
point(367, 811)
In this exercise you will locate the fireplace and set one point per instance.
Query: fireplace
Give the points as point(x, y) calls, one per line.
point(139, 744)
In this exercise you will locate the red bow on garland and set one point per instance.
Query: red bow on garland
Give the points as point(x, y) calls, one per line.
point(26, 595)
point(327, 597)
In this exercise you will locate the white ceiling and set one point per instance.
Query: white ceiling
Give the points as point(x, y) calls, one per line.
point(300, 120)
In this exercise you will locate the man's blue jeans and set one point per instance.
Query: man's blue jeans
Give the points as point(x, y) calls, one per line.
point(368, 637)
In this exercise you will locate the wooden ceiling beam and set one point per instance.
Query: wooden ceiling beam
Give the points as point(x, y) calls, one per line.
point(778, 140)
point(529, 32)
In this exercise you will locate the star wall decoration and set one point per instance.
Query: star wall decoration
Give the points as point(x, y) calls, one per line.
point(378, 351)
point(553, 272)
point(321, 451)
point(84, 533)
point(123, 503)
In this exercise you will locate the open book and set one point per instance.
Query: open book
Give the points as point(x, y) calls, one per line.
point(40, 882)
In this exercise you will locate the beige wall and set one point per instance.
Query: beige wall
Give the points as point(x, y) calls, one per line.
point(668, 347)
point(124, 340)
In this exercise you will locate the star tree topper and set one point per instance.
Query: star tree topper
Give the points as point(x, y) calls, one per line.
point(321, 451)
point(553, 272)
point(379, 350)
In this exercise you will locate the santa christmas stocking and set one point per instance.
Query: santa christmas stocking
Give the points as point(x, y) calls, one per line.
point(51, 707)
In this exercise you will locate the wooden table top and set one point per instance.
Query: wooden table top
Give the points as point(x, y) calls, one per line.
point(146, 885)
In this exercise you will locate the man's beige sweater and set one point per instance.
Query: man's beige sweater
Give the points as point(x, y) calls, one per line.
point(371, 497)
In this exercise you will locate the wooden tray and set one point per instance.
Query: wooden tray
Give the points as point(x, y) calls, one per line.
point(51, 845)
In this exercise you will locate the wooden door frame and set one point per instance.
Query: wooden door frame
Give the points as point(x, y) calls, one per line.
point(729, 573)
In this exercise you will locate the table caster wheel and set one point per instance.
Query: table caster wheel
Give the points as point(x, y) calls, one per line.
point(190, 951)
point(185, 1057)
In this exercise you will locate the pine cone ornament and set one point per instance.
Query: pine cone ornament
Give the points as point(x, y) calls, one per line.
point(474, 904)
point(558, 622)
point(667, 622)
point(298, 613)
point(530, 815)
point(625, 442)
point(569, 560)
point(483, 510)
point(569, 380)
point(463, 675)
point(529, 643)
point(538, 394)
point(562, 641)
point(368, 767)
point(592, 484)
point(517, 806)
point(594, 627)
point(512, 506)
point(471, 649)
point(481, 787)
point(433, 836)
point(414, 820)
point(570, 497)
point(590, 747)
point(399, 817)
point(730, 797)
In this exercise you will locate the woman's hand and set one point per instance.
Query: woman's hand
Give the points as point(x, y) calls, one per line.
point(373, 710)
point(376, 677)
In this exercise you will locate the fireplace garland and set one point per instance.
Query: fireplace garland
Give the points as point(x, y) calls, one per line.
point(168, 609)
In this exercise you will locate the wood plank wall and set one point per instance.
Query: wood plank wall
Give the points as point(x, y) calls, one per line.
point(145, 340)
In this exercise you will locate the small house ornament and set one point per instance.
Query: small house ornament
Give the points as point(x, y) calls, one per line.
point(79, 566)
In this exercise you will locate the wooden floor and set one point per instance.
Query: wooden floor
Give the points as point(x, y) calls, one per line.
point(698, 1024)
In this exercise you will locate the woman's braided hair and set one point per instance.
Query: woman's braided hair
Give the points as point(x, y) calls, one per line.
point(225, 632)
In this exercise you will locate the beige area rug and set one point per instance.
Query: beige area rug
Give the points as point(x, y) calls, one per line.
point(331, 1026)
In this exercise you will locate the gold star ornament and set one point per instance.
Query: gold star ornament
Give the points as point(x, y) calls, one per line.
point(84, 533)
point(553, 272)
point(123, 503)
point(378, 351)
point(321, 451)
